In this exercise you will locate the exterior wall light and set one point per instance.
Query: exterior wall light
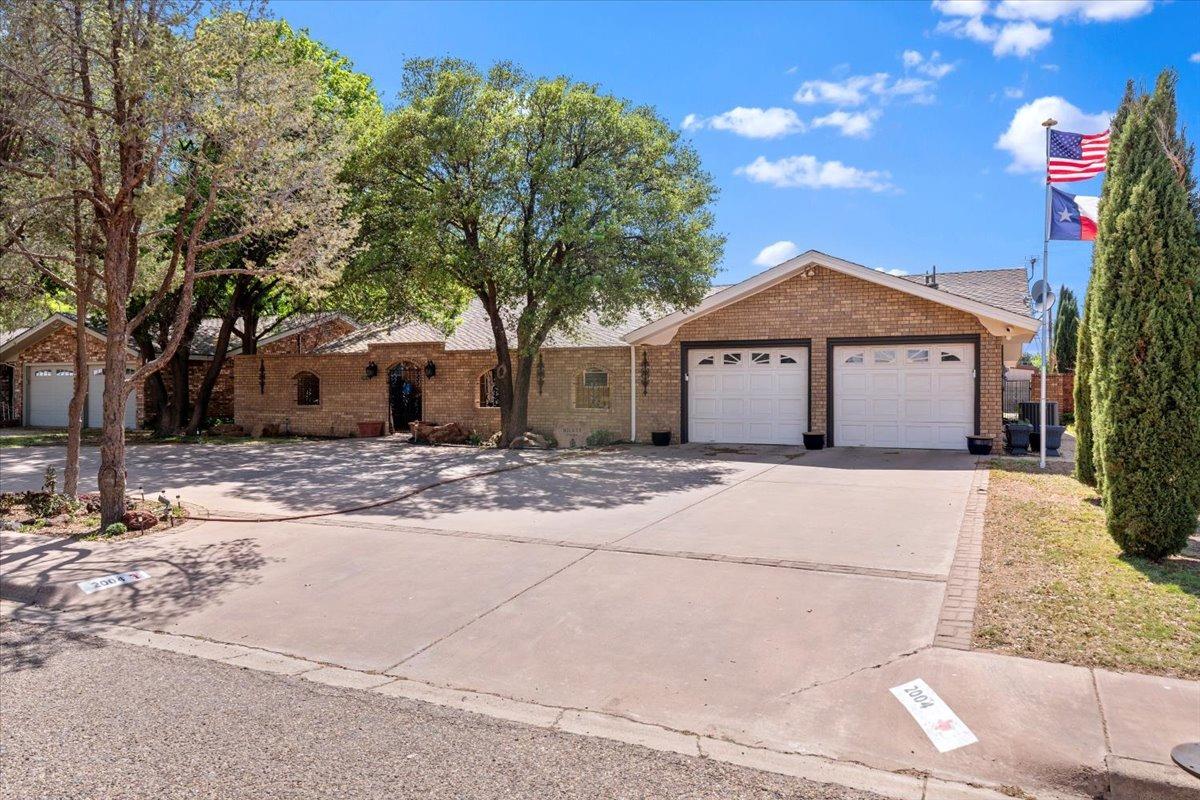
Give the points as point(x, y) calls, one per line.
point(370, 371)
point(430, 369)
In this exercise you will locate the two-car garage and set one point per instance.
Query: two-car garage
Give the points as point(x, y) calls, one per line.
point(48, 396)
point(883, 393)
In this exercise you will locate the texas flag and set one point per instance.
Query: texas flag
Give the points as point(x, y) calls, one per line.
point(1073, 216)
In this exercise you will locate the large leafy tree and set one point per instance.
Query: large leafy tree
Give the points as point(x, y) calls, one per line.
point(544, 198)
point(1145, 322)
point(1066, 331)
point(172, 120)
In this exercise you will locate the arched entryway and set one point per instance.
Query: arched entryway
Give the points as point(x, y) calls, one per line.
point(404, 394)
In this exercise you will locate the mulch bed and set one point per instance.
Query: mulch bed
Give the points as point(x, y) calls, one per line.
point(81, 519)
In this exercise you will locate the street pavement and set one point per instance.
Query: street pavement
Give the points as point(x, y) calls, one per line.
point(87, 718)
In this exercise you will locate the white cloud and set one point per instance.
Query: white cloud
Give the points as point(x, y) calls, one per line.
point(911, 58)
point(851, 91)
point(857, 123)
point(776, 253)
point(811, 173)
point(1050, 67)
point(961, 8)
point(897, 272)
point(973, 28)
point(1194, 58)
point(1025, 139)
point(1083, 10)
point(753, 123)
point(1020, 39)
point(1014, 92)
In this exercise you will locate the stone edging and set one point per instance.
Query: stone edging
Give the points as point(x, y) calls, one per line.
point(957, 618)
point(820, 769)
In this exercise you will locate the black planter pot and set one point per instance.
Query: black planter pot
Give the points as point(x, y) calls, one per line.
point(1053, 439)
point(979, 445)
point(660, 438)
point(814, 441)
point(1016, 438)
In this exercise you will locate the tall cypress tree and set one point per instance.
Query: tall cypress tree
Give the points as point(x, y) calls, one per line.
point(1086, 466)
point(1066, 331)
point(1146, 334)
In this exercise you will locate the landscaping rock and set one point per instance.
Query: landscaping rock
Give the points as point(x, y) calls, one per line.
point(428, 433)
point(9, 525)
point(91, 501)
point(530, 441)
point(138, 520)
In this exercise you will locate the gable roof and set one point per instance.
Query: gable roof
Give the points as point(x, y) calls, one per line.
point(1000, 320)
point(1003, 288)
point(18, 340)
point(204, 343)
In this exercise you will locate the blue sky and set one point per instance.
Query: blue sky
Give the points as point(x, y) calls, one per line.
point(921, 176)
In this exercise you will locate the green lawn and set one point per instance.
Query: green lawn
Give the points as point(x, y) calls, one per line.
point(91, 437)
point(1054, 585)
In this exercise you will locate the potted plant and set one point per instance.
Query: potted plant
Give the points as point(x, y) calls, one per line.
point(660, 438)
point(1053, 439)
point(814, 440)
point(368, 429)
point(979, 445)
point(1016, 437)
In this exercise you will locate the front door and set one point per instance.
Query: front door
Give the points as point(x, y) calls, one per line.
point(404, 394)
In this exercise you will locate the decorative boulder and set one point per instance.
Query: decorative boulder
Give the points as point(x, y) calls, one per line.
point(138, 520)
point(428, 433)
point(530, 441)
point(91, 501)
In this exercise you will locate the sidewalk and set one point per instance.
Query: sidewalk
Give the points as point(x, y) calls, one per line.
point(275, 597)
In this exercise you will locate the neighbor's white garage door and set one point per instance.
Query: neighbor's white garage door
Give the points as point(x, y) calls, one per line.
point(50, 388)
point(752, 395)
point(49, 395)
point(905, 395)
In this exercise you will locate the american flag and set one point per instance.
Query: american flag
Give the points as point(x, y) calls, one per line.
point(1076, 156)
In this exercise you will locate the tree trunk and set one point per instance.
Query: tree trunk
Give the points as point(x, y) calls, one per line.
point(78, 397)
point(518, 416)
point(111, 478)
point(204, 394)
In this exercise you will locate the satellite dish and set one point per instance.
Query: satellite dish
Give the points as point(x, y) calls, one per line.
point(1042, 297)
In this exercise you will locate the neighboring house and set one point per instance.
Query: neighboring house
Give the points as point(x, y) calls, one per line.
point(36, 366)
point(816, 343)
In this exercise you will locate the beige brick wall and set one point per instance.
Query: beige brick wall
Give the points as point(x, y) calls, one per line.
point(823, 305)
point(309, 339)
point(450, 396)
point(826, 304)
point(57, 348)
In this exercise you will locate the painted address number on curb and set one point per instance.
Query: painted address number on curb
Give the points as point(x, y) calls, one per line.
point(109, 581)
point(941, 725)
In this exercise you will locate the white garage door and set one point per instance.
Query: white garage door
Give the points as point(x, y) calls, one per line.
point(49, 394)
point(752, 395)
point(904, 395)
point(50, 388)
point(95, 401)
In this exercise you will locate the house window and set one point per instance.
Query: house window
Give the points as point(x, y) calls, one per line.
point(784, 358)
point(948, 356)
point(591, 389)
point(760, 358)
point(918, 356)
point(489, 390)
point(855, 358)
point(885, 356)
point(731, 358)
point(308, 389)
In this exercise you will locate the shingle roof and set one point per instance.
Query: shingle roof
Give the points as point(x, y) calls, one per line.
point(1003, 288)
point(204, 343)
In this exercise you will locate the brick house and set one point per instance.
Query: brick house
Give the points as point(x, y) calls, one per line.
point(815, 343)
point(36, 366)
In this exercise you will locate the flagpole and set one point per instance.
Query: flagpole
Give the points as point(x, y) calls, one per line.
point(1048, 124)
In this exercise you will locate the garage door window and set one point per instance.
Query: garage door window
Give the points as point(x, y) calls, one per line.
point(855, 358)
point(786, 359)
point(948, 356)
point(760, 358)
point(885, 356)
point(918, 356)
point(731, 358)
point(43, 373)
point(705, 361)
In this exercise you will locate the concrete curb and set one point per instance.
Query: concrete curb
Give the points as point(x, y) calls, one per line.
point(1129, 779)
point(820, 769)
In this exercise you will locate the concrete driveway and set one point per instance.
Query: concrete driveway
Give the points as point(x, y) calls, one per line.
point(751, 594)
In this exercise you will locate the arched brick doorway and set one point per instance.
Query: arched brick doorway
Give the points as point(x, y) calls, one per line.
point(404, 394)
